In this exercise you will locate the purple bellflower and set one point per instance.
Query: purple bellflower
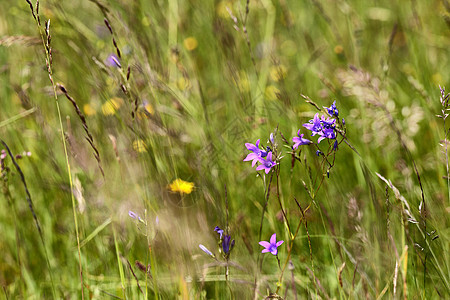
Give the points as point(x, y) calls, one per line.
point(327, 122)
point(327, 133)
point(227, 244)
point(219, 231)
point(332, 110)
point(132, 214)
point(324, 127)
point(299, 140)
point(256, 153)
point(135, 216)
point(271, 246)
point(314, 125)
point(206, 250)
point(266, 164)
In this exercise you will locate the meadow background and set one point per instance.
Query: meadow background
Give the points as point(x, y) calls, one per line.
point(198, 80)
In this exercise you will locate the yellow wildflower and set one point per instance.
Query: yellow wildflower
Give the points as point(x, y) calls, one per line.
point(190, 43)
point(338, 49)
point(139, 146)
point(110, 107)
point(89, 110)
point(149, 108)
point(181, 186)
point(244, 83)
point(278, 73)
point(221, 9)
point(272, 92)
point(183, 83)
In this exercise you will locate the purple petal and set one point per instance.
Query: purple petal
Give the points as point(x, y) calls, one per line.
point(279, 243)
point(219, 231)
point(316, 118)
point(261, 160)
point(254, 162)
point(267, 170)
point(264, 244)
point(260, 167)
point(206, 250)
point(250, 156)
point(300, 141)
point(308, 126)
point(251, 147)
point(273, 239)
point(274, 251)
point(133, 215)
point(265, 251)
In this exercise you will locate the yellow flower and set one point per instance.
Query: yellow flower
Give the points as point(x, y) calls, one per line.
point(244, 83)
point(89, 110)
point(338, 49)
point(183, 83)
point(110, 107)
point(139, 146)
point(190, 43)
point(272, 92)
point(145, 21)
point(149, 108)
point(144, 111)
point(221, 9)
point(181, 186)
point(278, 73)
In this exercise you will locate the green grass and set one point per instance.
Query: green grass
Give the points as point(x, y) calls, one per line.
point(212, 84)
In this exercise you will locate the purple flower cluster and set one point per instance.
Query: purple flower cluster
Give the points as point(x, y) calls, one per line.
point(264, 157)
point(226, 244)
point(225, 240)
point(332, 110)
point(323, 126)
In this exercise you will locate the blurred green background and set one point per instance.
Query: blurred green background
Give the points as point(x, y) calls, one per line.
point(205, 77)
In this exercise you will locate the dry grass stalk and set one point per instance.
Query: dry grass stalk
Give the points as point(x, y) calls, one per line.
point(9, 40)
point(89, 137)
